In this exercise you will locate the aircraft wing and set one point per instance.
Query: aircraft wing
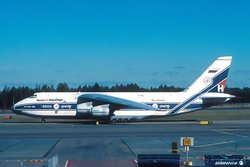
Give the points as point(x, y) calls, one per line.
point(115, 103)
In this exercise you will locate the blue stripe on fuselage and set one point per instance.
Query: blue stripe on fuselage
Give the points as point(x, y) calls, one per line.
point(165, 106)
point(47, 106)
point(73, 106)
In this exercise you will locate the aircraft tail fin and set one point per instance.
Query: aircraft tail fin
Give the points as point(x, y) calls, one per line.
point(214, 78)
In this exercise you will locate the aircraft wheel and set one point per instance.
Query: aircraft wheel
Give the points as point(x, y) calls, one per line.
point(43, 120)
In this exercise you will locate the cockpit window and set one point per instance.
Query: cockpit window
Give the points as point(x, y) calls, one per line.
point(32, 97)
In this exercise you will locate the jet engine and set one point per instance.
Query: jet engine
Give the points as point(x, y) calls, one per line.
point(101, 110)
point(84, 108)
point(95, 111)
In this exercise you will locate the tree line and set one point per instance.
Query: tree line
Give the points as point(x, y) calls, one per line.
point(9, 96)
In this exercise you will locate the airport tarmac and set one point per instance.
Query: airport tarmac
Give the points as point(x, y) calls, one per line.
point(26, 141)
point(80, 144)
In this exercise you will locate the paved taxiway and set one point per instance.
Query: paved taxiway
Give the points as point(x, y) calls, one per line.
point(117, 145)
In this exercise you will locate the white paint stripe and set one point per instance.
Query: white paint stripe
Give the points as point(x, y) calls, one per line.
point(66, 165)
point(228, 133)
point(214, 144)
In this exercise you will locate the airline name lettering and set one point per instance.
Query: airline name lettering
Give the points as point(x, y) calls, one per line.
point(49, 99)
point(47, 106)
point(66, 106)
point(164, 106)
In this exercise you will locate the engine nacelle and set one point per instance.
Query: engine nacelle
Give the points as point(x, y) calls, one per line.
point(101, 111)
point(96, 111)
point(84, 107)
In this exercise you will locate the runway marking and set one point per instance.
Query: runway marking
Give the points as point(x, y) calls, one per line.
point(214, 144)
point(53, 146)
point(67, 163)
point(228, 133)
point(6, 148)
point(126, 144)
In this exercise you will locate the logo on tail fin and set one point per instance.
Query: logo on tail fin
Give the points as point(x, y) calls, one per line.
point(221, 86)
point(208, 81)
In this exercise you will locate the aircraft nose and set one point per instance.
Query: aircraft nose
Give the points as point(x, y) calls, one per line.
point(16, 111)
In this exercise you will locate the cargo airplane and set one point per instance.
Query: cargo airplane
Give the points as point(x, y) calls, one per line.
point(207, 90)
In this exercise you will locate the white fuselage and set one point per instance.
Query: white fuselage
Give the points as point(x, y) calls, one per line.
point(58, 104)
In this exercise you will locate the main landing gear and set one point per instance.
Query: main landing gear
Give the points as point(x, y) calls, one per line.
point(102, 121)
point(43, 120)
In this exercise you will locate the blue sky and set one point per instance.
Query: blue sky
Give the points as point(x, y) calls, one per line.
point(132, 41)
